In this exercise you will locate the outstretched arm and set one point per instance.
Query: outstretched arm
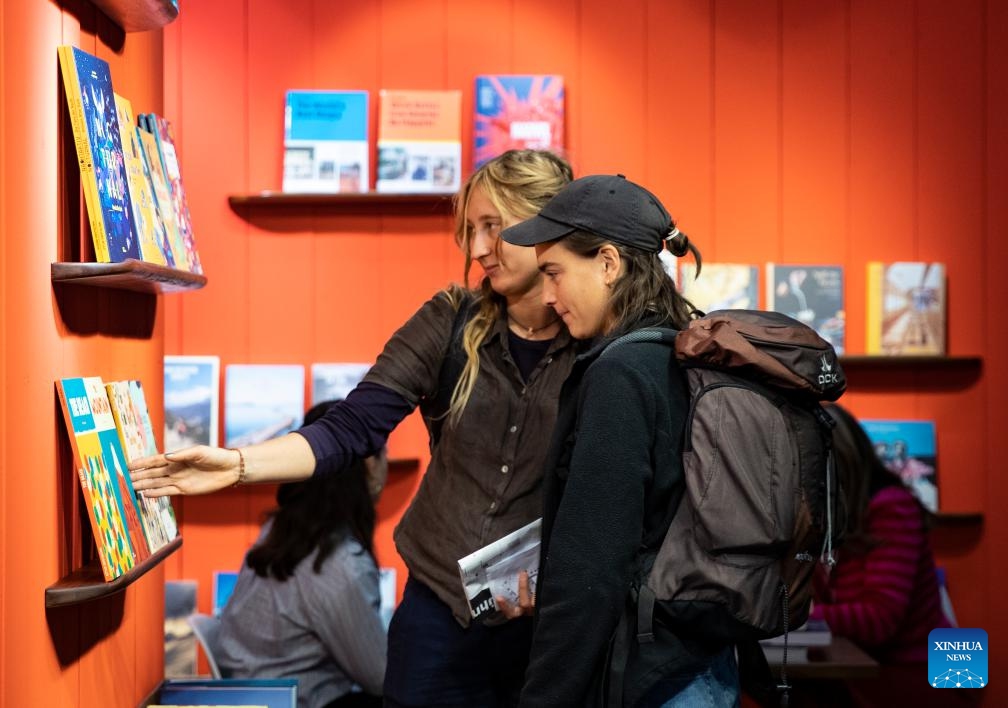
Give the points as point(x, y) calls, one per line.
point(203, 469)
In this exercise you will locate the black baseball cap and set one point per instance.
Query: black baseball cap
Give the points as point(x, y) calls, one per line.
point(610, 206)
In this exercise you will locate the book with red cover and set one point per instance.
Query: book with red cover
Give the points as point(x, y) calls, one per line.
point(518, 111)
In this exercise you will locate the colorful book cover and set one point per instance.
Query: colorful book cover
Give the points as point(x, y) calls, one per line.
point(721, 286)
point(162, 130)
point(150, 231)
point(191, 401)
point(813, 294)
point(88, 84)
point(112, 540)
point(514, 112)
point(326, 142)
point(906, 308)
point(135, 444)
point(261, 401)
point(175, 251)
point(332, 382)
point(419, 141)
point(908, 448)
point(163, 506)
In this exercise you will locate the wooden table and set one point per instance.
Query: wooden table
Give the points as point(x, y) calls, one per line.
point(840, 659)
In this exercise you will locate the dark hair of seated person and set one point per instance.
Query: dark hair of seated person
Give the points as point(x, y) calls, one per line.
point(319, 512)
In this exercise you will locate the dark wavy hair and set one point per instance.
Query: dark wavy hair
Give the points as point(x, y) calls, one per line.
point(319, 512)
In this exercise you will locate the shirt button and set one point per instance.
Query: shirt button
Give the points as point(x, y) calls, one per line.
point(493, 505)
point(504, 469)
point(514, 428)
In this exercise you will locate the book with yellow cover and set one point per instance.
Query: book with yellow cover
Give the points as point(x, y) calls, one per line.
point(419, 141)
point(176, 251)
point(88, 84)
point(906, 308)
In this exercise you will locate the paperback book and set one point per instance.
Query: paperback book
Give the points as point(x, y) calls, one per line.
point(492, 571)
point(419, 141)
point(333, 381)
point(191, 401)
point(908, 448)
point(518, 111)
point(112, 540)
point(720, 286)
point(906, 308)
point(88, 84)
point(261, 401)
point(163, 504)
point(326, 142)
point(812, 294)
point(175, 250)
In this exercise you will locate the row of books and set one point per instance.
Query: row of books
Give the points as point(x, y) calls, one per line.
point(261, 401)
point(906, 302)
point(108, 425)
point(419, 142)
point(129, 168)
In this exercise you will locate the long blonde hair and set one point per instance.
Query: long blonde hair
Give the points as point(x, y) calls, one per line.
point(518, 183)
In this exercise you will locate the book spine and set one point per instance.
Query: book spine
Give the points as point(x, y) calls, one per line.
point(89, 181)
point(874, 302)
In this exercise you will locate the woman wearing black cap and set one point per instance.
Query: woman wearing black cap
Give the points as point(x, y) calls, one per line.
point(614, 457)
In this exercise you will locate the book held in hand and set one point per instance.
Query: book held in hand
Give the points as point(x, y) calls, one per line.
point(419, 141)
point(326, 142)
point(906, 308)
point(517, 112)
point(908, 448)
point(492, 571)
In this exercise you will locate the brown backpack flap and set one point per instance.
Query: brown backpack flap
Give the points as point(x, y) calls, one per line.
point(766, 346)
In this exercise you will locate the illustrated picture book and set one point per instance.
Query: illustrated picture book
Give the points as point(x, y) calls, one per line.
point(908, 448)
point(261, 401)
point(326, 142)
point(419, 141)
point(333, 381)
point(517, 111)
point(87, 81)
point(150, 231)
point(906, 308)
point(191, 401)
point(811, 294)
point(162, 130)
point(721, 286)
point(163, 504)
point(175, 249)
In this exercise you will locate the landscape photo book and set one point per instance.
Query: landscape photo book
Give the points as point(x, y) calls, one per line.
point(326, 141)
point(906, 308)
point(87, 81)
point(492, 571)
point(191, 401)
point(419, 141)
point(332, 381)
point(516, 111)
point(262, 401)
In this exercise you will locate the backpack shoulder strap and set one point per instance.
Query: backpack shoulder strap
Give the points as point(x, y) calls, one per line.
point(435, 408)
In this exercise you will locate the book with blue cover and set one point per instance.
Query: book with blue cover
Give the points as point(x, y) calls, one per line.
point(516, 112)
point(88, 83)
point(272, 693)
point(262, 401)
point(333, 381)
point(908, 448)
point(326, 142)
point(191, 401)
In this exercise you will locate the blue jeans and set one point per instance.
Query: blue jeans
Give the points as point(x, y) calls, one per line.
point(434, 661)
point(717, 686)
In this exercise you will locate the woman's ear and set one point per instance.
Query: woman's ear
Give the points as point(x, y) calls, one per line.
point(609, 255)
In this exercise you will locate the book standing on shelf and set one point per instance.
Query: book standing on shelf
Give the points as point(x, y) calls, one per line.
point(175, 253)
point(261, 401)
point(191, 401)
point(333, 381)
point(721, 286)
point(518, 111)
point(88, 84)
point(150, 230)
point(908, 448)
point(326, 142)
point(906, 308)
point(419, 141)
point(813, 295)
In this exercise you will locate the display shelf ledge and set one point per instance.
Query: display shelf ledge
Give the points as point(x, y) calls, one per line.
point(959, 518)
point(403, 464)
point(88, 583)
point(879, 361)
point(130, 274)
point(139, 15)
point(417, 202)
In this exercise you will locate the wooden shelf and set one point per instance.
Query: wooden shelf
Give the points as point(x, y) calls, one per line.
point(88, 583)
point(878, 361)
point(958, 518)
point(403, 464)
point(413, 202)
point(130, 274)
point(138, 15)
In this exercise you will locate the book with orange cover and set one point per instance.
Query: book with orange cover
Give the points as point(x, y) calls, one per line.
point(88, 84)
point(419, 141)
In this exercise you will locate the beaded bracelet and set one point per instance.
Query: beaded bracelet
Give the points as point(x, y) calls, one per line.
point(241, 468)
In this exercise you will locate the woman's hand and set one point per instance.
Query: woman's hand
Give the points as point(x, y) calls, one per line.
point(526, 600)
point(194, 470)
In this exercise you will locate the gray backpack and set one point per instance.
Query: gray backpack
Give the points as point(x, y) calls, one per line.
point(761, 504)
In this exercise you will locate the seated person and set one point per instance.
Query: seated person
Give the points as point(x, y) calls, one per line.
point(306, 602)
point(883, 593)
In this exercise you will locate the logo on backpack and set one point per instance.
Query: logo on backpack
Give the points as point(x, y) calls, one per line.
point(827, 377)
